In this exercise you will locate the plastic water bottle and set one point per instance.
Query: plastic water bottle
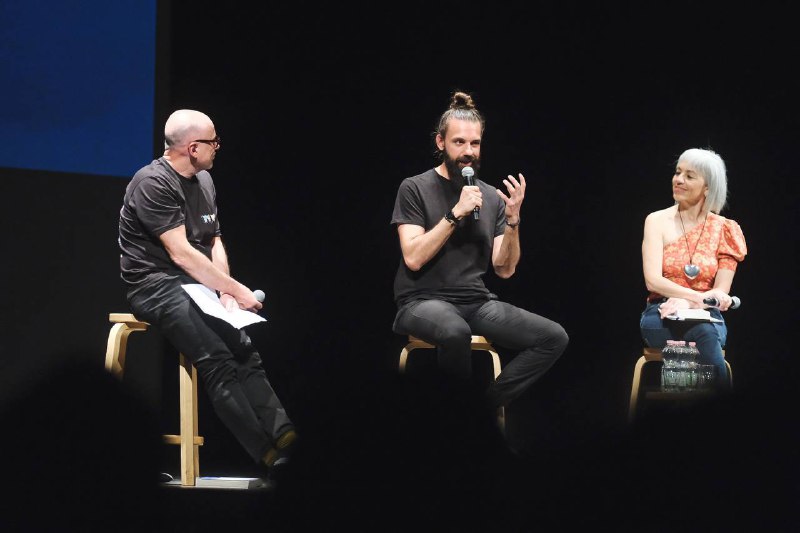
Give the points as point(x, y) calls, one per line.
point(693, 354)
point(687, 366)
point(681, 365)
point(669, 368)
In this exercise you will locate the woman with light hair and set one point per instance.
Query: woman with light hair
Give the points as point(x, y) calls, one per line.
point(690, 254)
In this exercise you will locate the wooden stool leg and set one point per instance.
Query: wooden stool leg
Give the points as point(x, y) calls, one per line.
point(115, 349)
point(637, 375)
point(195, 419)
point(117, 345)
point(404, 358)
point(412, 345)
point(501, 412)
point(189, 438)
point(190, 461)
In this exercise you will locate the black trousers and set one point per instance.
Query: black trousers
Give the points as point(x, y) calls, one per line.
point(538, 341)
point(228, 364)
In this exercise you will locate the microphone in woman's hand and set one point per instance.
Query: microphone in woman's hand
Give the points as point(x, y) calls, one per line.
point(735, 303)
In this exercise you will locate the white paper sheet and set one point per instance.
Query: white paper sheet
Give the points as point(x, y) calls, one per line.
point(693, 315)
point(209, 302)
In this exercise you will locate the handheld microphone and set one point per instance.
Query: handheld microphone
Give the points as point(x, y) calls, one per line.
point(715, 303)
point(259, 295)
point(467, 173)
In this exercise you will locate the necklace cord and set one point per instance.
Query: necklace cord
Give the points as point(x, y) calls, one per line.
point(691, 253)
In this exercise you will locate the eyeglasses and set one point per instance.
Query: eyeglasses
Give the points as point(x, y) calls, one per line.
point(215, 142)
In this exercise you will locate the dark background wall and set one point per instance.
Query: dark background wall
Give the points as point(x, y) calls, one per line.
point(323, 110)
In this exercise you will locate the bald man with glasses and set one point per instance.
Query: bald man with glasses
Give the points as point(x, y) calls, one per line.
point(169, 235)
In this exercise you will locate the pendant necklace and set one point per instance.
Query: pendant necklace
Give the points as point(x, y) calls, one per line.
point(691, 270)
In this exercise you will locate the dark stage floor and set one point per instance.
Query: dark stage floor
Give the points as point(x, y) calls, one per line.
point(81, 454)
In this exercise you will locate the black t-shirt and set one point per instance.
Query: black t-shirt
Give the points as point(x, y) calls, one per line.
point(455, 273)
point(159, 199)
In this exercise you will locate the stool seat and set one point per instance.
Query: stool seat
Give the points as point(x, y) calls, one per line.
point(650, 355)
point(477, 343)
point(189, 440)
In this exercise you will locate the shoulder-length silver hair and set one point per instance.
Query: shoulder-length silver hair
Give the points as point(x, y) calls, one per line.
point(712, 167)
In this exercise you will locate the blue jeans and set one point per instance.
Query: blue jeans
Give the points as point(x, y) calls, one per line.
point(709, 336)
point(538, 341)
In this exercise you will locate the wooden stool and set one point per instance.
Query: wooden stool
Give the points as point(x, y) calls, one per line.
point(189, 440)
point(477, 343)
point(650, 355)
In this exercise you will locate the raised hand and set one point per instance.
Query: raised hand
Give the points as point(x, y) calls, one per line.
point(516, 193)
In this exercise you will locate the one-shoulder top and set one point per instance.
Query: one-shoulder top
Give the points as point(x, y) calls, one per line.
point(720, 245)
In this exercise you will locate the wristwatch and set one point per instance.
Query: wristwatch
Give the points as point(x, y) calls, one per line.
point(510, 225)
point(451, 218)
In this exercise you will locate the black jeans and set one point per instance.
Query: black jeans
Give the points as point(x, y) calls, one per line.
point(228, 364)
point(539, 342)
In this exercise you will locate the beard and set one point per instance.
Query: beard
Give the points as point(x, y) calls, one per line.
point(454, 167)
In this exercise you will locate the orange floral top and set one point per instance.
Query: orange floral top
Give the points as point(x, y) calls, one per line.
point(721, 245)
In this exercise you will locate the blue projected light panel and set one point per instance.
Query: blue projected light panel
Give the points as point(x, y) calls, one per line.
point(77, 85)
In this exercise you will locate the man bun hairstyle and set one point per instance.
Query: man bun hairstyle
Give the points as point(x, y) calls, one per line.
point(462, 107)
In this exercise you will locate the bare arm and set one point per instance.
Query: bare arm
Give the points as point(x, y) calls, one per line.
point(722, 288)
point(419, 246)
point(205, 271)
point(724, 280)
point(219, 257)
point(506, 251)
